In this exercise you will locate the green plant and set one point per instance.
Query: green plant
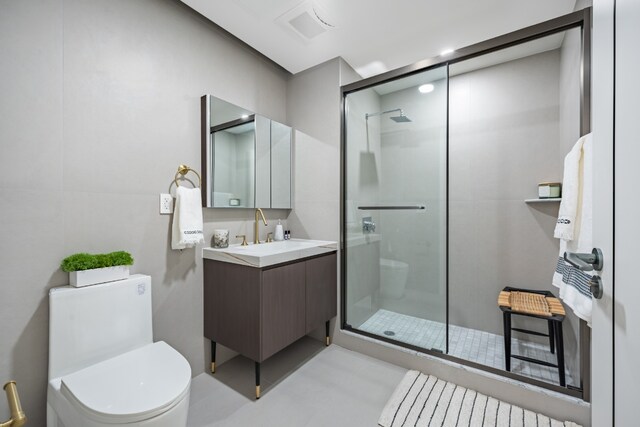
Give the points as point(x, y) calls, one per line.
point(84, 261)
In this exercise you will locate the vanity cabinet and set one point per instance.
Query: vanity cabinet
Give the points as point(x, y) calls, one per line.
point(259, 311)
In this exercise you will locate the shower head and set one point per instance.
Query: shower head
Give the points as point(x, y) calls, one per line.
point(401, 118)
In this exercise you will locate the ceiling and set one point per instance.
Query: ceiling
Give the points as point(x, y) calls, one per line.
point(373, 36)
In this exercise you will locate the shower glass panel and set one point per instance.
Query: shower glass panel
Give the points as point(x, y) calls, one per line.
point(514, 114)
point(395, 210)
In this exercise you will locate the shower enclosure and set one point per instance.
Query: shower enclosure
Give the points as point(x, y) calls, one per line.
point(438, 159)
point(395, 211)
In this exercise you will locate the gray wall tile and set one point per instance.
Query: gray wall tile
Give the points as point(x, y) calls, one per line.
point(93, 125)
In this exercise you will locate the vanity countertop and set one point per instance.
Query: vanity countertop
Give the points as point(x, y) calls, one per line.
point(266, 254)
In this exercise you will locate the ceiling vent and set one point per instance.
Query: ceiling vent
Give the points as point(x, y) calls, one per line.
point(306, 20)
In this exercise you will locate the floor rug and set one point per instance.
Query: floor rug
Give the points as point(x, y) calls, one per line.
point(423, 400)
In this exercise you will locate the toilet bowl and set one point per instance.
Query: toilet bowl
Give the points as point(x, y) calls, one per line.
point(104, 368)
point(393, 278)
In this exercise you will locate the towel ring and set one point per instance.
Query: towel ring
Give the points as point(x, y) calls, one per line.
point(183, 170)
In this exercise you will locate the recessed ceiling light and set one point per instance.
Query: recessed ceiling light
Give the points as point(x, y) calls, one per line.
point(426, 88)
point(244, 116)
point(446, 52)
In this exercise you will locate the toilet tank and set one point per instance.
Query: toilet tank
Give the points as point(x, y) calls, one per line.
point(90, 324)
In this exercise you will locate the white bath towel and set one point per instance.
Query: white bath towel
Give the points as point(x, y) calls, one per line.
point(575, 228)
point(187, 219)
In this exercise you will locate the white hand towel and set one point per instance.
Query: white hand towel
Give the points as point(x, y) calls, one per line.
point(573, 283)
point(187, 219)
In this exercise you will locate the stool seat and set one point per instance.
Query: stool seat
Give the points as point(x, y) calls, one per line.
point(531, 303)
point(537, 304)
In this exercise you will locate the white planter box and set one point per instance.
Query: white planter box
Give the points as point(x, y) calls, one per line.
point(98, 275)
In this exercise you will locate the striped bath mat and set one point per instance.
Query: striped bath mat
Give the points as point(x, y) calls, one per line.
point(424, 400)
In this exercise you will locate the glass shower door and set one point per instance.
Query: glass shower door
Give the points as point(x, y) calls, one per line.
point(395, 210)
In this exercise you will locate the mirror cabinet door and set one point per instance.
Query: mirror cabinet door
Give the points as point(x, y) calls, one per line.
point(263, 162)
point(233, 160)
point(246, 158)
point(280, 166)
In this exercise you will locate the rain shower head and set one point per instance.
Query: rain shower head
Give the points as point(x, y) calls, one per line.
point(401, 118)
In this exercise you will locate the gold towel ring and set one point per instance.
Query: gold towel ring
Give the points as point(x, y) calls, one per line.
point(183, 170)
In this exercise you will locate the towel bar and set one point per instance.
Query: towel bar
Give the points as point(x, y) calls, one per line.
point(391, 208)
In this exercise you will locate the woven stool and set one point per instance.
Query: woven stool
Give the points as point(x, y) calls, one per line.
point(540, 305)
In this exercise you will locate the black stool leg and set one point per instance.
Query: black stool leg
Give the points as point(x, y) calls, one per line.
point(506, 316)
point(560, 347)
point(257, 380)
point(213, 357)
point(551, 337)
point(326, 331)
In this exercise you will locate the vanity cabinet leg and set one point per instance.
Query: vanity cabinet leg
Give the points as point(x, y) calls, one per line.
point(326, 330)
point(213, 357)
point(257, 380)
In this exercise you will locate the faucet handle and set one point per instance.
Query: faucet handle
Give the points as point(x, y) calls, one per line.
point(269, 237)
point(244, 239)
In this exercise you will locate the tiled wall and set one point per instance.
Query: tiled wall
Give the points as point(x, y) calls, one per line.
point(101, 102)
point(505, 138)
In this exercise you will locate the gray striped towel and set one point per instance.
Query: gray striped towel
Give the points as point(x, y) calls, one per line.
point(423, 400)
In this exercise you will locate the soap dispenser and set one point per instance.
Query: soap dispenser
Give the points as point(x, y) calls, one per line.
point(279, 234)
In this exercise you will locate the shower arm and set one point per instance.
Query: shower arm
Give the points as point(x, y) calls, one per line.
point(367, 115)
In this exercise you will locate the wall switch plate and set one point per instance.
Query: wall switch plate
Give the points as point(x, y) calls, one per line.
point(166, 204)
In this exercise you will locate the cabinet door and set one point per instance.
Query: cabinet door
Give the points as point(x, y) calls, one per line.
point(232, 306)
point(283, 304)
point(322, 291)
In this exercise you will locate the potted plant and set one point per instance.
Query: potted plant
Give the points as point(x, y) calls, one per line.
point(87, 269)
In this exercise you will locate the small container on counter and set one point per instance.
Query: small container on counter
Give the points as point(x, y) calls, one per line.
point(549, 190)
point(279, 233)
point(220, 239)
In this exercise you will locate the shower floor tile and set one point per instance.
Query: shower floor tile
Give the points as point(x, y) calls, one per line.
point(469, 344)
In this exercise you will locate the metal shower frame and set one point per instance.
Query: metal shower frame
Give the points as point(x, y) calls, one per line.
point(579, 19)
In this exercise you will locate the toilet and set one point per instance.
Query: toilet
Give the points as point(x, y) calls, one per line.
point(104, 368)
point(393, 278)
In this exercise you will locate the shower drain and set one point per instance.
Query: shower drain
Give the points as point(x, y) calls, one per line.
point(389, 333)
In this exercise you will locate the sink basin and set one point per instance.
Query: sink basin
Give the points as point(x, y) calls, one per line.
point(266, 254)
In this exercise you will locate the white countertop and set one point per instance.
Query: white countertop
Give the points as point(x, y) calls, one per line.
point(266, 254)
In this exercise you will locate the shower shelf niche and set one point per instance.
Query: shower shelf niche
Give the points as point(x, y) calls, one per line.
point(555, 199)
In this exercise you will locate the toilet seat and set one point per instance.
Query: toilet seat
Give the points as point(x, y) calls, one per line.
point(132, 387)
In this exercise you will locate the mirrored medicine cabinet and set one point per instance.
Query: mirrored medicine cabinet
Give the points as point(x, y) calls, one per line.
point(246, 158)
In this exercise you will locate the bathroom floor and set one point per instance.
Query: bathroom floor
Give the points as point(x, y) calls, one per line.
point(306, 385)
point(469, 344)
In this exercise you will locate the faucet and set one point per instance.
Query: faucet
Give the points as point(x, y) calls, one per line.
point(368, 226)
point(256, 233)
point(18, 417)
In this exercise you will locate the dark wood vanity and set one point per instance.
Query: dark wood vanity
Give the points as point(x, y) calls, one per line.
point(259, 311)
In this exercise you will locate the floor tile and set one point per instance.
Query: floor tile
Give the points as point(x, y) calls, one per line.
point(308, 385)
point(469, 344)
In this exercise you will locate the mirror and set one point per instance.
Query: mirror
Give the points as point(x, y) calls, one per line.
point(246, 158)
point(233, 160)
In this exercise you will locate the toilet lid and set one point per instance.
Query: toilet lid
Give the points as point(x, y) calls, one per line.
point(131, 387)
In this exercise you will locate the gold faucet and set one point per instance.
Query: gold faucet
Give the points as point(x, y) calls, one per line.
point(18, 418)
point(256, 233)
